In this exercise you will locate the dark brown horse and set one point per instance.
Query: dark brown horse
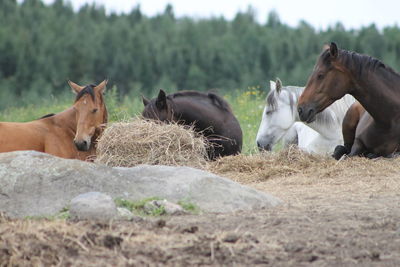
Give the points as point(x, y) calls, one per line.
point(68, 134)
point(375, 85)
point(207, 112)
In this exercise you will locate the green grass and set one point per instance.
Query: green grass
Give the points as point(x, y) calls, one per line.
point(63, 214)
point(189, 206)
point(138, 207)
point(247, 106)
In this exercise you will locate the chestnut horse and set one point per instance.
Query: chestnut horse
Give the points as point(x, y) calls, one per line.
point(68, 134)
point(375, 85)
point(207, 112)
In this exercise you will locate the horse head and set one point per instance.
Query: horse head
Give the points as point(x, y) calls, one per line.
point(159, 108)
point(277, 117)
point(91, 113)
point(328, 82)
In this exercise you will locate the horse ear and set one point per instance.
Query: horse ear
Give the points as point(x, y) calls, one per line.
point(145, 101)
point(161, 101)
point(102, 86)
point(278, 85)
point(333, 50)
point(75, 88)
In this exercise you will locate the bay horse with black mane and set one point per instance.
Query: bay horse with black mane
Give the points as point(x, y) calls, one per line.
point(69, 134)
point(375, 85)
point(210, 115)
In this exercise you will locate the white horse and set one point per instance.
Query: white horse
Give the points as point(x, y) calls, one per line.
point(304, 137)
point(280, 121)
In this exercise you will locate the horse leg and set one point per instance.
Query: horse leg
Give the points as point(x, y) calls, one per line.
point(349, 124)
point(349, 127)
point(357, 149)
point(339, 152)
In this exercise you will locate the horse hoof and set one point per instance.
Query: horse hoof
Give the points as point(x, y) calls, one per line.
point(339, 152)
point(371, 156)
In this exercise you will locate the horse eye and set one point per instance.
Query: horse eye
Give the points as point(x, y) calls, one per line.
point(320, 76)
point(269, 112)
point(94, 110)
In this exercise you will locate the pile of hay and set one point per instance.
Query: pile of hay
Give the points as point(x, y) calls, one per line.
point(263, 166)
point(127, 144)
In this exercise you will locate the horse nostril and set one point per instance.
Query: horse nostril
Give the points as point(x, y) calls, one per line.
point(258, 145)
point(299, 110)
point(311, 112)
point(84, 143)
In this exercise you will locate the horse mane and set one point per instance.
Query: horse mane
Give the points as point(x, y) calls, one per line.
point(327, 116)
point(88, 89)
point(358, 63)
point(215, 99)
point(294, 93)
point(47, 116)
point(335, 111)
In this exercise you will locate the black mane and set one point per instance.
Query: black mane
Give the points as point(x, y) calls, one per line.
point(215, 99)
point(358, 63)
point(47, 116)
point(89, 89)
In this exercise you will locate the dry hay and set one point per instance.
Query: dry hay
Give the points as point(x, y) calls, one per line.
point(127, 144)
point(262, 166)
point(293, 175)
point(292, 161)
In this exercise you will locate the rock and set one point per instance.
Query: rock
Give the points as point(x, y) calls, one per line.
point(171, 208)
point(125, 214)
point(168, 208)
point(93, 206)
point(38, 184)
point(231, 237)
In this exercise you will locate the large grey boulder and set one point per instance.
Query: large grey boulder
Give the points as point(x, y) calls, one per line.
point(33, 183)
point(93, 206)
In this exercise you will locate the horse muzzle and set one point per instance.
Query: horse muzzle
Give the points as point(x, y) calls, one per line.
point(264, 147)
point(82, 145)
point(306, 113)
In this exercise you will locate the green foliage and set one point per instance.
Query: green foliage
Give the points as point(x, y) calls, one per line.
point(141, 54)
point(33, 112)
point(137, 207)
point(189, 206)
point(248, 107)
point(156, 211)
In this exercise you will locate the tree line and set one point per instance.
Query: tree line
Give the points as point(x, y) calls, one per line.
point(41, 46)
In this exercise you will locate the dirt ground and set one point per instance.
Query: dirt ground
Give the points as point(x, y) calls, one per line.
point(344, 213)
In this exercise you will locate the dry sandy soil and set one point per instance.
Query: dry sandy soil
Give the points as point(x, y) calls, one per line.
point(343, 213)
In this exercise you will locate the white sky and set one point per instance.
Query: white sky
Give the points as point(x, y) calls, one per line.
point(319, 13)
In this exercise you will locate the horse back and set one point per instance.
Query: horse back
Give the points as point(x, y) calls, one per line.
point(212, 116)
point(22, 136)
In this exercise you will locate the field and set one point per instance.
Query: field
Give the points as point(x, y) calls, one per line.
point(344, 213)
point(335, 214)
point(247, 106)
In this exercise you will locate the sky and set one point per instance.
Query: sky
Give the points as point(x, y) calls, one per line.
point(353, 14)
